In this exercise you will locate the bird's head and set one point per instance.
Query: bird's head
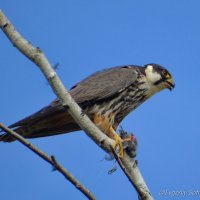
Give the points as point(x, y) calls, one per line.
point(159, 77)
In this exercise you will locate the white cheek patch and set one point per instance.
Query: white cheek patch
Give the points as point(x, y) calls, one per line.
point(151, 75)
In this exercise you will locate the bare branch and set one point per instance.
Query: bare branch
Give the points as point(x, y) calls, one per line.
point(51, 160)
point(36, 56)
point(141, 193)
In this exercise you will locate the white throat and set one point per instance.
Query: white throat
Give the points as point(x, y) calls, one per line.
point(152, 76)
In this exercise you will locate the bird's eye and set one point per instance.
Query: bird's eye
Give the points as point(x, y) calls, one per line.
point(165, 73)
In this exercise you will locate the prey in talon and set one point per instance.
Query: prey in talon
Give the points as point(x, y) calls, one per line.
point(130, 144)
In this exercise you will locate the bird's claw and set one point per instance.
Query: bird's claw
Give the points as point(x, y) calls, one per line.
point(118, 142)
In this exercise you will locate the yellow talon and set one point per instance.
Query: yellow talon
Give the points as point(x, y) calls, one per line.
point(118, 142)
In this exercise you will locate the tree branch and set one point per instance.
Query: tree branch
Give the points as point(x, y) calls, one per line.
point(36, 56)
point(51, 160)
point(134, 165)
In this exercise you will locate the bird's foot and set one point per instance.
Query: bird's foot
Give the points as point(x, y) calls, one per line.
point(121, 143)
point(118, 142)
point(130, 144)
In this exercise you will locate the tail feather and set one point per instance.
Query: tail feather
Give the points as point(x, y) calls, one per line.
point(57, 123)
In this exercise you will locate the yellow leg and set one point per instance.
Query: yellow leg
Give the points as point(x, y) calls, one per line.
point(118, 142)
point(105, 125)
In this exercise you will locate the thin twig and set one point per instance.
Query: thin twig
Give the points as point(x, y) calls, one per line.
point(36, 56)
point(51, 160)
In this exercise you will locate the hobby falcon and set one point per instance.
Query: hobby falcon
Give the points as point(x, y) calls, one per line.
point(106, 97)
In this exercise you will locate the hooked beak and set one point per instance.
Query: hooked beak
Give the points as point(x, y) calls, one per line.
point(170, 84)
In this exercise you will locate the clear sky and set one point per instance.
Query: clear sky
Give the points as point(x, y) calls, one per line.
point(84, 37)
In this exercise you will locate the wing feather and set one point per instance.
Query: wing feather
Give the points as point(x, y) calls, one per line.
point(96, 87)
point(104, 84)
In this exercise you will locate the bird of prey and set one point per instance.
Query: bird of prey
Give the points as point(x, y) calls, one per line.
point(107, 97)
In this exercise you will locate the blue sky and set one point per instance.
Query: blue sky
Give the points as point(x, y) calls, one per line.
point(84, 37)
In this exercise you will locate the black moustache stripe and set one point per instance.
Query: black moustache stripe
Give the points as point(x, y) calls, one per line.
point(158, 82)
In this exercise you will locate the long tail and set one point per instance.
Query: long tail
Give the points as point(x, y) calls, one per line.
point(43, 125)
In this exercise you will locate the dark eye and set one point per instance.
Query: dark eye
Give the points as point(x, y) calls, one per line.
point(164, 73)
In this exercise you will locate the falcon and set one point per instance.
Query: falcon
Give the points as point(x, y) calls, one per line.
point(107, 97)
